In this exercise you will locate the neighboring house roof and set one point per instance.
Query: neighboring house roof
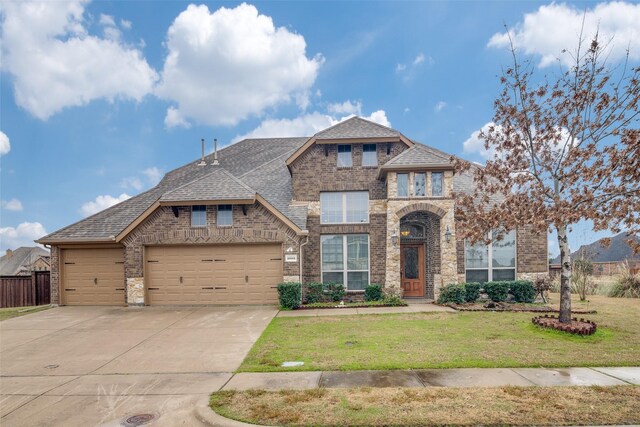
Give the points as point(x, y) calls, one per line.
point(20, 260)
point(217, 185)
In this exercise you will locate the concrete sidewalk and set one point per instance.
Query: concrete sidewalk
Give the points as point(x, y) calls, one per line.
point(413, 307)
point(469, 377)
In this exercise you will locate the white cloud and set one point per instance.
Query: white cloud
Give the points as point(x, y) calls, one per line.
point(102, 203)
point(107, 20)
point(225, 66)
point(56, 64)
point(175, 119)
point(439, 106)
point(305, 125)
point(153, 175)
point(22, 235)
point(475, 145)
point(125, 24)
point(132, 182)
point(5, 145)
point(554, 27)
point(419, 59)
point(400, 68)
point(14, 205)
point(409, 70)
point(346, 107)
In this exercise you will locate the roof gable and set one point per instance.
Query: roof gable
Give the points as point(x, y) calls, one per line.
point(217, 185)
point(357, 127)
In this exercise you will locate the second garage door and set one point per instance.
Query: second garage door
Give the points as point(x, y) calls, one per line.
point(222, 274)
point(93, 277)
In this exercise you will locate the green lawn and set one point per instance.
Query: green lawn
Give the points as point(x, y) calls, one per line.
point(433, 406)
point(8, 313)
point(447, 340)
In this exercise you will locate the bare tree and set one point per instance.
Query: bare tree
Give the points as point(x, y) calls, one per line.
point(566, 149)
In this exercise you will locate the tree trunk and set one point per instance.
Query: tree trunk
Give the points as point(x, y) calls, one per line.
point(565, 277)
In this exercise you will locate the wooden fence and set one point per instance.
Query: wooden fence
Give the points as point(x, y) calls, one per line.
point(22, 291)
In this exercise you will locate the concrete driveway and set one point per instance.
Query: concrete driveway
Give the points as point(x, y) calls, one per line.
point(86, 366)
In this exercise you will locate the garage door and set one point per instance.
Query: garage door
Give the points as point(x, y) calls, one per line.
point(223, 274)
point(93, 277)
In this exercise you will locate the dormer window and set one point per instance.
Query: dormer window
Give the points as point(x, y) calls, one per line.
point(436, 184)
point(344, 156)
point(369, 155)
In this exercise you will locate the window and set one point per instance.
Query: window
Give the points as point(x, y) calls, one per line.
point(345, 259)
point(412, 230)
point(198, 216)
point(225, 215)
point(436, 184)
point(495, 261)
point(346, 207)
point(344, 156)
point(369, 155)
point(419, 183)
point(403, 185)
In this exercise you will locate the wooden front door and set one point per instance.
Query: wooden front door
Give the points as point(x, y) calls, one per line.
point(412, 270)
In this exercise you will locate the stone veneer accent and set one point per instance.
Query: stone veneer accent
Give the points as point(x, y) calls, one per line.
point(54, 280)
point(432, 248)
point(135, 290)
point(164, 228)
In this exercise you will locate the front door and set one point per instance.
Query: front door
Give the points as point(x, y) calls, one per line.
point(412, 270)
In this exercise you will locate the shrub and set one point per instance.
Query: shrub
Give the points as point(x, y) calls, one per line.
point(581, 279)
point(472, 291)
point(542, 285)
point(393, 299)
point(627, 285)
point(290, 295)
point(523, 291)
point(373, 293)
point(452, 294)
point(335, 291)
point(497, 291)
point(314, 293)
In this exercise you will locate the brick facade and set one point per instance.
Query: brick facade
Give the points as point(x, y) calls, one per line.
point(316, 170)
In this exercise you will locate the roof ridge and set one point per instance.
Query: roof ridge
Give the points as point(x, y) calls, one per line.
point(356, 117)
point(238, 180)
point(265, 164)
point(445, 154)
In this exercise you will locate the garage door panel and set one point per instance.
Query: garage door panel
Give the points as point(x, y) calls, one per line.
point(222, 274)
point(93, 277)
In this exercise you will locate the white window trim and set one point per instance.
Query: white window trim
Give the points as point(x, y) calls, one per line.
point(205, 217)
point(344, 208)
point(218, 216)
point(345, 271)
point(490, 267)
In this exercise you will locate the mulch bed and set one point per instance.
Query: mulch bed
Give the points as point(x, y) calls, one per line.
point(502, 306)
point(577, 327)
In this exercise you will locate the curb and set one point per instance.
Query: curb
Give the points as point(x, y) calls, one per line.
point(209, 417)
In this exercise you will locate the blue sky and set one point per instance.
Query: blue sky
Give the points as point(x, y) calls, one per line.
point(99, 99)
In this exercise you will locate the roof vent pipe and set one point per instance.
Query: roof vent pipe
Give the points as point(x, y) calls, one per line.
point(215, 152)
point(202, 162)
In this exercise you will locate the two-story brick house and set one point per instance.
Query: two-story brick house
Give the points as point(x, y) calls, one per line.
point(357, 203)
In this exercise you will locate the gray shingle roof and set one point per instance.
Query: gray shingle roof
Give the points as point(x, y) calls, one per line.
point(420, 154)
point(217, 185)
point(357, 127)
point(20, 260)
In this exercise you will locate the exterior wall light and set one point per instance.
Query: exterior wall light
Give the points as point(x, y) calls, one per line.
point(394, 239)
point(447, 235)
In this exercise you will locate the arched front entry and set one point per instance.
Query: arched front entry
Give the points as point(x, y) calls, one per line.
point(420, 253)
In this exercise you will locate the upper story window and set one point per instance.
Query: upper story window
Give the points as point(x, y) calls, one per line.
point(403, 185)
point(345, 207)
point(198, 216)
point(225, 216)
point(419, 185)
point(495, 261)
point(369, 155)
point(436, 184)
point(344, 156)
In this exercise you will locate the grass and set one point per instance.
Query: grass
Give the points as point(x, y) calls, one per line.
point(448, 340)
point(433, 406)
point(8, 313)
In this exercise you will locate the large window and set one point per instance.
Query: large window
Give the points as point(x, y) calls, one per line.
point(403, 185)
point(345, 259)
point(436, 184)
point(419, 184)
point(198, 216)
point(225, 216)
point(344, 208)
point(344, 156)
point(369, 155)
point(495, 261)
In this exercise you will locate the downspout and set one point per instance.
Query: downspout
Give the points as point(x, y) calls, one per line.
point(305, 242)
